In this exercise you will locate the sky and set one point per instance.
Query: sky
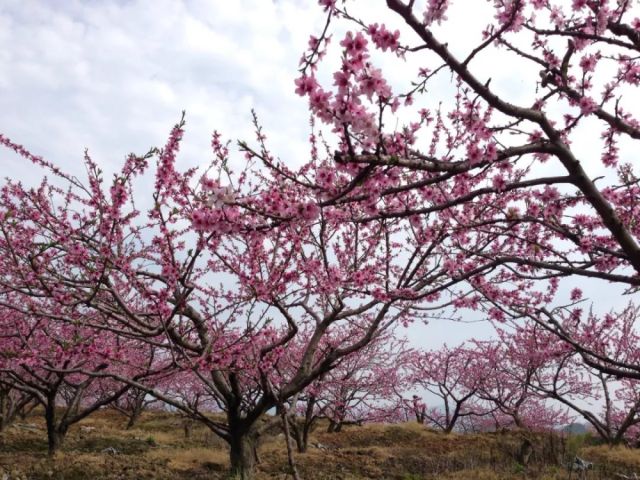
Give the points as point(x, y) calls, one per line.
point(114, 76)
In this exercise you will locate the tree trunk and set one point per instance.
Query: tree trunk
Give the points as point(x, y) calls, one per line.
point(56, 440)
point(27, 408)
point(296, 433)
point(304, 443)
point(7, 419)
point(526, 449)
point(133, 419)
point(301, 441)
point(300, 434)
point(188, 427)
point(287, 436)
point(55, 433)
point(334, 426)
point(11, 408)
point(242, 455)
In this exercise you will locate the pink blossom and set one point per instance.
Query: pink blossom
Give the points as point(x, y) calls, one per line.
point(354, 44)
point(383, 38)
point(220, 196)
point(308, 211)
point(578, 5)
point(587, 105)
point(305, 85)
point(436, 11)
point(588, 63)
point(328, 4)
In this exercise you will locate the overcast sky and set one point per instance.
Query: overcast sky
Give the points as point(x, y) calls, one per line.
point(114, 76)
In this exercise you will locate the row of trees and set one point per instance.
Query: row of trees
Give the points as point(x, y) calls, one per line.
point(526, 379)
point(253, 287)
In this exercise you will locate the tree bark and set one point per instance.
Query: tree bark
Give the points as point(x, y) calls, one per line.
point(55, 433)
point(526, 449)
point(55, 440)
point(287, 436)
point(242, 455)
point(187, 426)
point(297, 435)
point(304, 438)
point(300, 431)
point(7, 416)
point(332, 426)
point(12, 407)
point(133, 419)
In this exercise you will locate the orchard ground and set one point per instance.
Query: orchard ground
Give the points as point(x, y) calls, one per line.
point(156, 448)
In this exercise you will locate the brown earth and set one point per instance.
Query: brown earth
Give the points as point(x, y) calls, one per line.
point(157, 449)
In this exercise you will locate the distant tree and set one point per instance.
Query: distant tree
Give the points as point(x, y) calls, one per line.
point(14, 402)
point(361, 388)
point(52, 364)
point(135, 401)
point(610, 404)
point(507, 384)
point(450, 375)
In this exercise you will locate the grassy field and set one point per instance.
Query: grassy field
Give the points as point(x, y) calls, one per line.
point(157, 449)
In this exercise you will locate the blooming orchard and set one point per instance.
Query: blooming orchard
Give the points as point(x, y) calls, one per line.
point(264, 289)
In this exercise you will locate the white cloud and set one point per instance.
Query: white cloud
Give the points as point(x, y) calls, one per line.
point(114, 76)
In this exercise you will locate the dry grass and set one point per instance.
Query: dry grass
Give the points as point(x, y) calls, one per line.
point(615, 458)
point(158, 449)
point(188, 459)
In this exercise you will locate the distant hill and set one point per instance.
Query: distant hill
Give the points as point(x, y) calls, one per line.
point(576, 428)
